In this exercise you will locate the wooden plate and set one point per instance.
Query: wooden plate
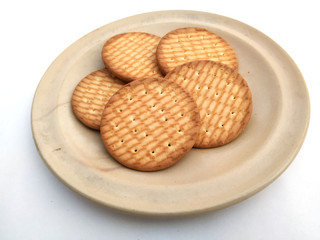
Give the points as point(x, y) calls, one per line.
point(205, 179)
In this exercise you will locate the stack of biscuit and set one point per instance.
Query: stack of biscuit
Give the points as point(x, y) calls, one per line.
point(158, 97)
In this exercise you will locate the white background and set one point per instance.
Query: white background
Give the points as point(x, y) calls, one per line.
point(35, 205)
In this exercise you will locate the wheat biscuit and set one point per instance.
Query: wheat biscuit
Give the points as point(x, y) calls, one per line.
point(150, 124)
point(222, 96)
point(190, 44)
point(130, 56)
point(91, 95)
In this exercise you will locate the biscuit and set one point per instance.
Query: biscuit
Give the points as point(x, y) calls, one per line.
point(222, 96)
point(190, 44)
point(150, 124)
point(91, 95)
point(130, 56)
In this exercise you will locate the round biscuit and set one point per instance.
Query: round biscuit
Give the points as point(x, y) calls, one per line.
point(150, 124)
point(222, 96)
point(130, 56)
point(91, 95)
point(190, 44)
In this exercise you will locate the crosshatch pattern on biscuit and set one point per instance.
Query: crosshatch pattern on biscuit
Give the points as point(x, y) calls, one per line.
point(223, 98)
point(189, 44)
point(150, 124)
point(91, 95)
point(131, 56)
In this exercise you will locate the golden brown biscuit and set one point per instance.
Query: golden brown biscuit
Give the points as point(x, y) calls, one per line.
point(130, 56)
point(91, 95)
point(150, 124)
point(190, 44)
point(222, 96)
